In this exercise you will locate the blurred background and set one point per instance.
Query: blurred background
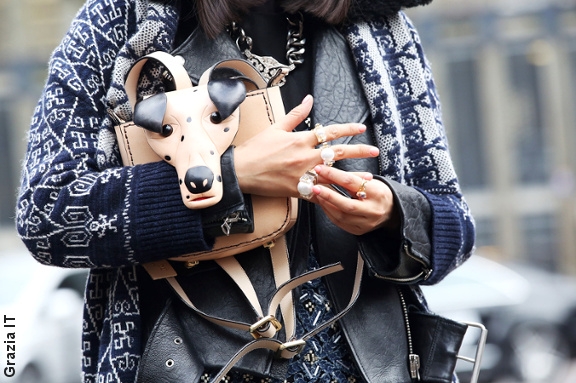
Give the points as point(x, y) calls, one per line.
point(506, 73)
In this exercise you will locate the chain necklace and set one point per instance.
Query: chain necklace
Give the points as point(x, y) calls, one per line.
point(268, 66)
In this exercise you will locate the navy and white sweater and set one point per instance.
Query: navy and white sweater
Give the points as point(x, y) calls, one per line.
point(78, 207)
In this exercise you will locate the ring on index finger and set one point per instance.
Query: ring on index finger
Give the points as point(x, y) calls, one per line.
point(320, 133)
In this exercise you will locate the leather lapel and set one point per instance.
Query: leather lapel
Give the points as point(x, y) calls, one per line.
point(338, 93)
point(200, 53)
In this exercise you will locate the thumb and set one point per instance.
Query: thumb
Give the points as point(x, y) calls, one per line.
point(291, 120)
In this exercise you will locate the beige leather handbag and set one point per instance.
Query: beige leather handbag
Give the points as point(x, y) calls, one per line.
point(187, 110)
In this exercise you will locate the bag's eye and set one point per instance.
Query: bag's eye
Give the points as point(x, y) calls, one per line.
point(215, 118)
point(167, 130)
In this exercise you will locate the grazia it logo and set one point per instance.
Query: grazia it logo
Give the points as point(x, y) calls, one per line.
point(10, 346)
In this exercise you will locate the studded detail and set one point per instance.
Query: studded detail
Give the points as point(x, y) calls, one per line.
point(310, 357)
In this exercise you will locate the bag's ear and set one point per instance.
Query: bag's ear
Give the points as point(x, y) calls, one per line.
point(252, 79)
point(226, 90)
point(149, 113)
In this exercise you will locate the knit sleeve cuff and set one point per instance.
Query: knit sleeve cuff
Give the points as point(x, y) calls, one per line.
point(162, 226)
point(452, 235)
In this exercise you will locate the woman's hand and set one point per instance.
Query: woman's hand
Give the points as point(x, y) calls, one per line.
point(272, 162)
point(371, 205)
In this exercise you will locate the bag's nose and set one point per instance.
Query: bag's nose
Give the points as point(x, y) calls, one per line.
point(199, 179)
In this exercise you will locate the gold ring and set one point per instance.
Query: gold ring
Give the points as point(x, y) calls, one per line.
point(307, 182)
point(361, 193)
point(320, 133)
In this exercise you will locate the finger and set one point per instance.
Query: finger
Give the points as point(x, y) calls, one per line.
point(329, 198)
point(346, 213)
point(354, 151)
point(351, 181)
point(332, 212)
point(332, 132)
point(340, 189)
point(329, 154)
point(298, 114)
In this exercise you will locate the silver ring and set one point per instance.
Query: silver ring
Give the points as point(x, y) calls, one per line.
point(320, 133)
point(327, 154)
point(307, 182)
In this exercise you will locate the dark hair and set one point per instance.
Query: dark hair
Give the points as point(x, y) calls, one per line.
point(331, 11)
point(214, 15)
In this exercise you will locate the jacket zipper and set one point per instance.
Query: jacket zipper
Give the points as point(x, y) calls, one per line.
point(424, 274)
point(413, 358)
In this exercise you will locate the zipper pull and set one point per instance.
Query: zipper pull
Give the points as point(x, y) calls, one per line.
point(414, 360)
point(114, 117)
point(228, 221)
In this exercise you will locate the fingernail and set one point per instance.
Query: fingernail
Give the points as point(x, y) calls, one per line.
point(307, 99)
point(374, 152)
point(361, 127)
point(318, 168)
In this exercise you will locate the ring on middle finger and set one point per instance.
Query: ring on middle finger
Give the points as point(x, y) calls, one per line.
point(327, 154)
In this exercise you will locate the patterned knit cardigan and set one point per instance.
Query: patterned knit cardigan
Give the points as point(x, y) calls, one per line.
point(78, 207)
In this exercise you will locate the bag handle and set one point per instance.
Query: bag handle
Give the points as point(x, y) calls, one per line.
point(294, 346)
point(259, 329)
point(281, 270)
point(173, 65)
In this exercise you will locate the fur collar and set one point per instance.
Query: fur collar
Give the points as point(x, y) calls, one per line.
point(369, 8)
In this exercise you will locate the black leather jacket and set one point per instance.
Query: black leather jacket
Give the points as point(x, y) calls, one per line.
point(376, 327)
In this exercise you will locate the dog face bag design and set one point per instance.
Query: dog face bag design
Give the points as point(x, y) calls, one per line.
point(191, 127)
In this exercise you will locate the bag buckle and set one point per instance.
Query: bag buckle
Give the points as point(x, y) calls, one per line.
point(477, 359)
point(262, 328)
point(289, 349)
